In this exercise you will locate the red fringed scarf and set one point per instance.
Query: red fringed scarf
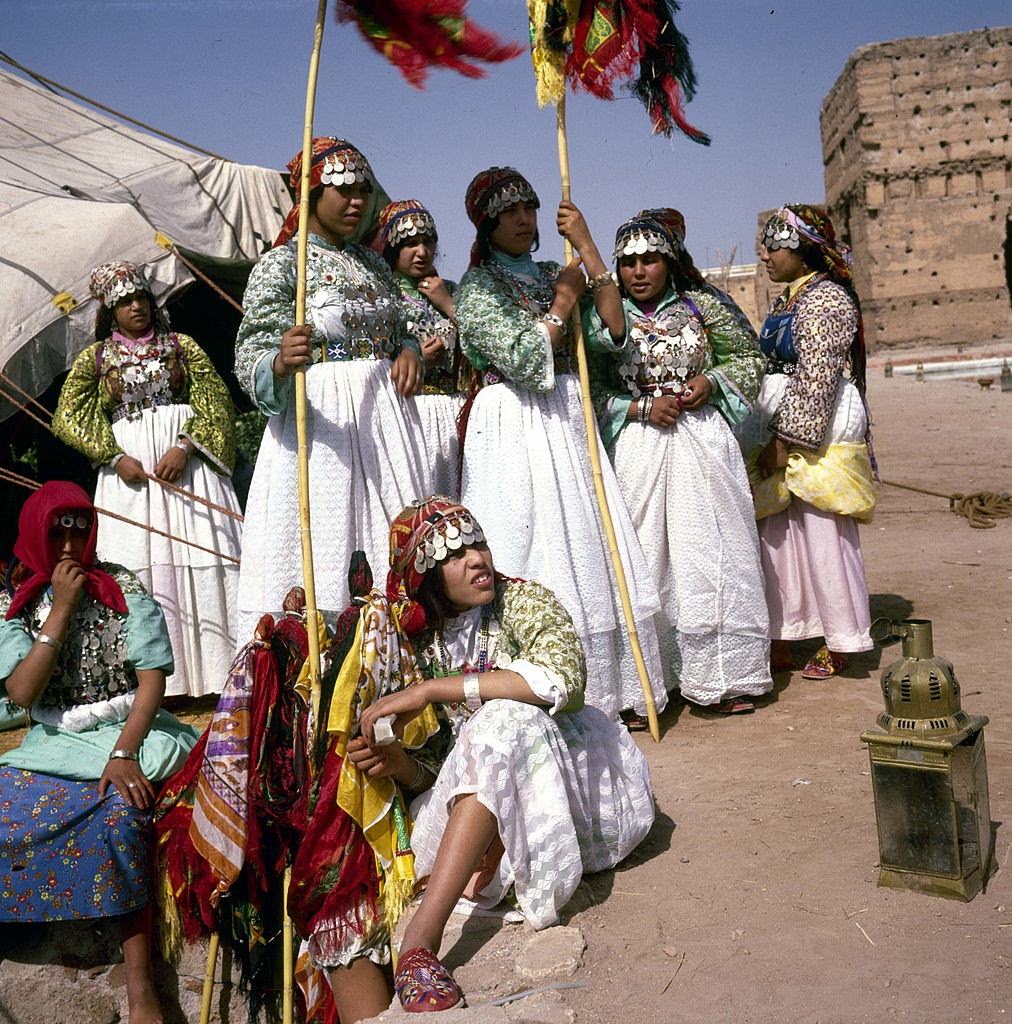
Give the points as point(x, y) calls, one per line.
point(416, 35)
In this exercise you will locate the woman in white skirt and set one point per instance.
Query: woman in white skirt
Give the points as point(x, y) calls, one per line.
point(534, 789)
point(690, 367)
point(811, 464)
point(526, 459)
point(367, 447)
point(407, 234)
point(145, 400)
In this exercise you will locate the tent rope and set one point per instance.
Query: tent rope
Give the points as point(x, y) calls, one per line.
point(33, 485)
point(48, 426)
point(166, 243)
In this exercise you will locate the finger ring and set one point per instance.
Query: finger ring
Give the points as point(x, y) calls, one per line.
point(131, 785)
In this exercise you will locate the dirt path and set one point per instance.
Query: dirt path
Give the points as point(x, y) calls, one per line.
point(754, 900)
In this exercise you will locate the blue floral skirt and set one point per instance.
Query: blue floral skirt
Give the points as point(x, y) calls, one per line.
point(66, 854)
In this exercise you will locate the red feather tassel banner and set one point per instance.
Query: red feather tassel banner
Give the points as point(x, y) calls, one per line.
point(614, 37)
point(416, 35)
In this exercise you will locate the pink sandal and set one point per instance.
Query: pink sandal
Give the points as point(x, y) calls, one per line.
point(824, 664)
point(423, 984)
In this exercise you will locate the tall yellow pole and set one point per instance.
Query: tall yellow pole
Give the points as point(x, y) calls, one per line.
point(302, 438)
point(595, 456)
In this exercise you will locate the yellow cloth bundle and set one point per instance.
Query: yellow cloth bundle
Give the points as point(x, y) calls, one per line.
point(837, 478)
point(550, 62)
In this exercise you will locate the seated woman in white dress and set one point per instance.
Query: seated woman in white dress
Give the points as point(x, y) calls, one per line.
point(535, 789)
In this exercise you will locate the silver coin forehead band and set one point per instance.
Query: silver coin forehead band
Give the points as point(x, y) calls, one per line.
point(72, 521)
point(508, 195)
point(641, 241)
point(344, 169)
point(778, 234)
point(411, 227)
point(448, 536)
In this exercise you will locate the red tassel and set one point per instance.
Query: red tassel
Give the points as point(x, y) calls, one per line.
point(416, 35)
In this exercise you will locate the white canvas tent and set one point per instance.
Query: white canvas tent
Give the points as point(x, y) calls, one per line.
point(78, 188)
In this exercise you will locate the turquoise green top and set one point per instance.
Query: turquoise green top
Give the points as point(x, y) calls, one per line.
point(700, 331)
point(99, 660)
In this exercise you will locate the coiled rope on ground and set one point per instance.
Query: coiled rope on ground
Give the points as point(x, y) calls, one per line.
point(981, 509)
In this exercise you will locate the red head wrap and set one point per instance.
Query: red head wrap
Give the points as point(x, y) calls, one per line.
point(424, 533)
point(334, 162)
point(405, 220)
point(35, 550)
point(493, 190)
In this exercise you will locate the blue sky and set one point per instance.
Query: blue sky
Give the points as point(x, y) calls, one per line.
point(230, 75)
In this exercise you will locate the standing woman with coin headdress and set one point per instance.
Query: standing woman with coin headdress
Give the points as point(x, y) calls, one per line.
point(407, 234)
point(146, 400)
point(526, 460)
point(689, 370)
point(811, 467)
point(367, 449)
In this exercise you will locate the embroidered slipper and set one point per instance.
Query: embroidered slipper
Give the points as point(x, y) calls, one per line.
point(824, 664)
point(733, 706)
point(634, 722)
point(423, 984)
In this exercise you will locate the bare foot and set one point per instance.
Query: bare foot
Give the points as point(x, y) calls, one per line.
point(142, 1000)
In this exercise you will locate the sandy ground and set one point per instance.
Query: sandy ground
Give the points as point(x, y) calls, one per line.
point(754, 899)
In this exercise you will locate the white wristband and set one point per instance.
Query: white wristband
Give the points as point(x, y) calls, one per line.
point(472, 692)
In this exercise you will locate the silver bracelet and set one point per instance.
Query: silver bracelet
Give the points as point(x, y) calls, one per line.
point(602, 280)
point(472, 692)
point(556, 321)
point(49, 641)
point(126, 755)
point(646, 406)
point(419, 778)
point(184, 448)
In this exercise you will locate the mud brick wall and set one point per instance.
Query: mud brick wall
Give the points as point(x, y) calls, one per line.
point(918, 171)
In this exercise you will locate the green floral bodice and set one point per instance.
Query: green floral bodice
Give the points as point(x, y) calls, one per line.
point(110, 381)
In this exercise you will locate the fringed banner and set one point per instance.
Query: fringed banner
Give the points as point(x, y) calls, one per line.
point(553, 23)
point(416, 35)
point(595, 44)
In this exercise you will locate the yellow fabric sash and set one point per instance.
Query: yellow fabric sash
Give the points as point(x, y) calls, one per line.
point(837, 478)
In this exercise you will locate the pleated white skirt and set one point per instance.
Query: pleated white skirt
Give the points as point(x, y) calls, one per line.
point(367, 460)
point(196, 588)
point(689, 498)
point(528, 480)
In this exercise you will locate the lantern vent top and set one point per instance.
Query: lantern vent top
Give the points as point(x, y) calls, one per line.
point(921, 690)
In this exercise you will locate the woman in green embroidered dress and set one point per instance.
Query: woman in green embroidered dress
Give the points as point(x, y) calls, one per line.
point(144, 400)
point(366, 441)
point(526, 459)
point(408, 235)
point(690, 369)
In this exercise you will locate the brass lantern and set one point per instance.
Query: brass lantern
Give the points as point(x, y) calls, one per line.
point(928, 773)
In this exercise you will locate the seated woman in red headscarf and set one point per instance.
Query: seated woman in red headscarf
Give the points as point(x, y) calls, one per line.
point(86, 650)
point(529, 789)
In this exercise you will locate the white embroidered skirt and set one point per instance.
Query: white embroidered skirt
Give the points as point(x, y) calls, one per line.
point(367, 461)
point(438, 415)
point(196, 588)
point(571, 795)
point(528, 480)
point(689, 497)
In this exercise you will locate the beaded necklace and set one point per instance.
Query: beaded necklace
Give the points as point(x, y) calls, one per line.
point(536, 294)
point(445, 668)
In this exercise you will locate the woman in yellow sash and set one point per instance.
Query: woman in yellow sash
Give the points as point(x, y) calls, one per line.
point(811, 468)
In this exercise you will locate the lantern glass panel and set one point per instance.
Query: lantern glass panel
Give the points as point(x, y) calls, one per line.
point(916, 826)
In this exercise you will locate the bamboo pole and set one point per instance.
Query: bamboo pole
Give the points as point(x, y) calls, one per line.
point(590, 423)
point(287, 934)
point(208, 992)
point(301, 427)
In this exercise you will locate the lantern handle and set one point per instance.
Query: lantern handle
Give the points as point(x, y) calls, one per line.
point(886, 631)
